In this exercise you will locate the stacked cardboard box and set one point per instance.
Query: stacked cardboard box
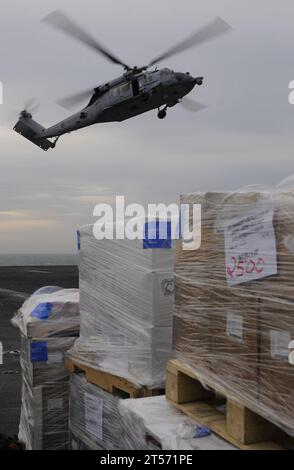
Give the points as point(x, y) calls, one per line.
point(192, 320)
point(44, 416)
point(49, 325)
point(234, 298)
point(127, 297)
point(276, 374)
point(234, 342)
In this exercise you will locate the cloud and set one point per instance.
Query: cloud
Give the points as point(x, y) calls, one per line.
point(7, 215)
point(25, 225)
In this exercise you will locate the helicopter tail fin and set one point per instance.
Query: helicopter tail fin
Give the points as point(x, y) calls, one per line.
point(32, 131)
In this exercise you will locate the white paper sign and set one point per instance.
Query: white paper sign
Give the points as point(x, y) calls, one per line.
point(55, 358)
point(235, 326)
point(94, 415)
point(250, 247)
point(280, 344)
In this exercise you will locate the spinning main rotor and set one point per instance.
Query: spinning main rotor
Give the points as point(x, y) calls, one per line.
point(62, 22)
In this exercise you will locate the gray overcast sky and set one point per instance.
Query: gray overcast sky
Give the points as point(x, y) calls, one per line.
point(245, 137)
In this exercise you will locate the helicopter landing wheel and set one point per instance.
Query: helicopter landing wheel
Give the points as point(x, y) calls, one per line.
point(53, 144)
point(162, 114)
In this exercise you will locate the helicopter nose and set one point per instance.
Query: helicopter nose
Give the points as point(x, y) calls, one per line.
point(188, 79)
point(198, 81)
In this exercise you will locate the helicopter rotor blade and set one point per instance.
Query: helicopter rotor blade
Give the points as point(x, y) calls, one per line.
point(192, 106)
point(73, 100)
point(59, 20)
point(215, 28)
point(31, 105)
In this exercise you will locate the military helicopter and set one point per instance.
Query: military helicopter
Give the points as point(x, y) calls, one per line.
point(137, 91)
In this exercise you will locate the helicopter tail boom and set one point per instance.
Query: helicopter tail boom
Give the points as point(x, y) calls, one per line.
point(32, 131)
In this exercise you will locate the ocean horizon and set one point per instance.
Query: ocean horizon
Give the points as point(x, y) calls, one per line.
point(39, 259)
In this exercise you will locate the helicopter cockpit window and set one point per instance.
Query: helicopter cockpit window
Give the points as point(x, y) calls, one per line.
point(125, 88)
point(115, 92)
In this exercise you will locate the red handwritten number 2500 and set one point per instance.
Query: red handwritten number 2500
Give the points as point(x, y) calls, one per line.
point(245, 266)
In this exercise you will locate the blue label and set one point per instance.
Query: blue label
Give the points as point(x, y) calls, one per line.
point(79, 240)
point(42, 311)
point(157, 234)
point(201, 431)
point(39, 352)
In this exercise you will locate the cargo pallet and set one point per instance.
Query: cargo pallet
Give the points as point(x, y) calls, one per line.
point(240, 426)
point(110, 383)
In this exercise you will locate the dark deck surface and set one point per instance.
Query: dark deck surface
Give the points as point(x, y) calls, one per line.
point(16, 283)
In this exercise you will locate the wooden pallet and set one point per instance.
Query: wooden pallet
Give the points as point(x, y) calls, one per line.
point(240, 426)
point(110, 383)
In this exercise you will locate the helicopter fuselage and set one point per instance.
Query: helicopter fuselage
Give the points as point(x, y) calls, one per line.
point(126, 97)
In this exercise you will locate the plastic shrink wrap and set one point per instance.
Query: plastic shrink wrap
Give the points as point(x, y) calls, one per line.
point(234, 312)
point(127, 297)
point(49, 325)
point(154, 424)
point(50, 311)
point(99, 420)
point(94, 418)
